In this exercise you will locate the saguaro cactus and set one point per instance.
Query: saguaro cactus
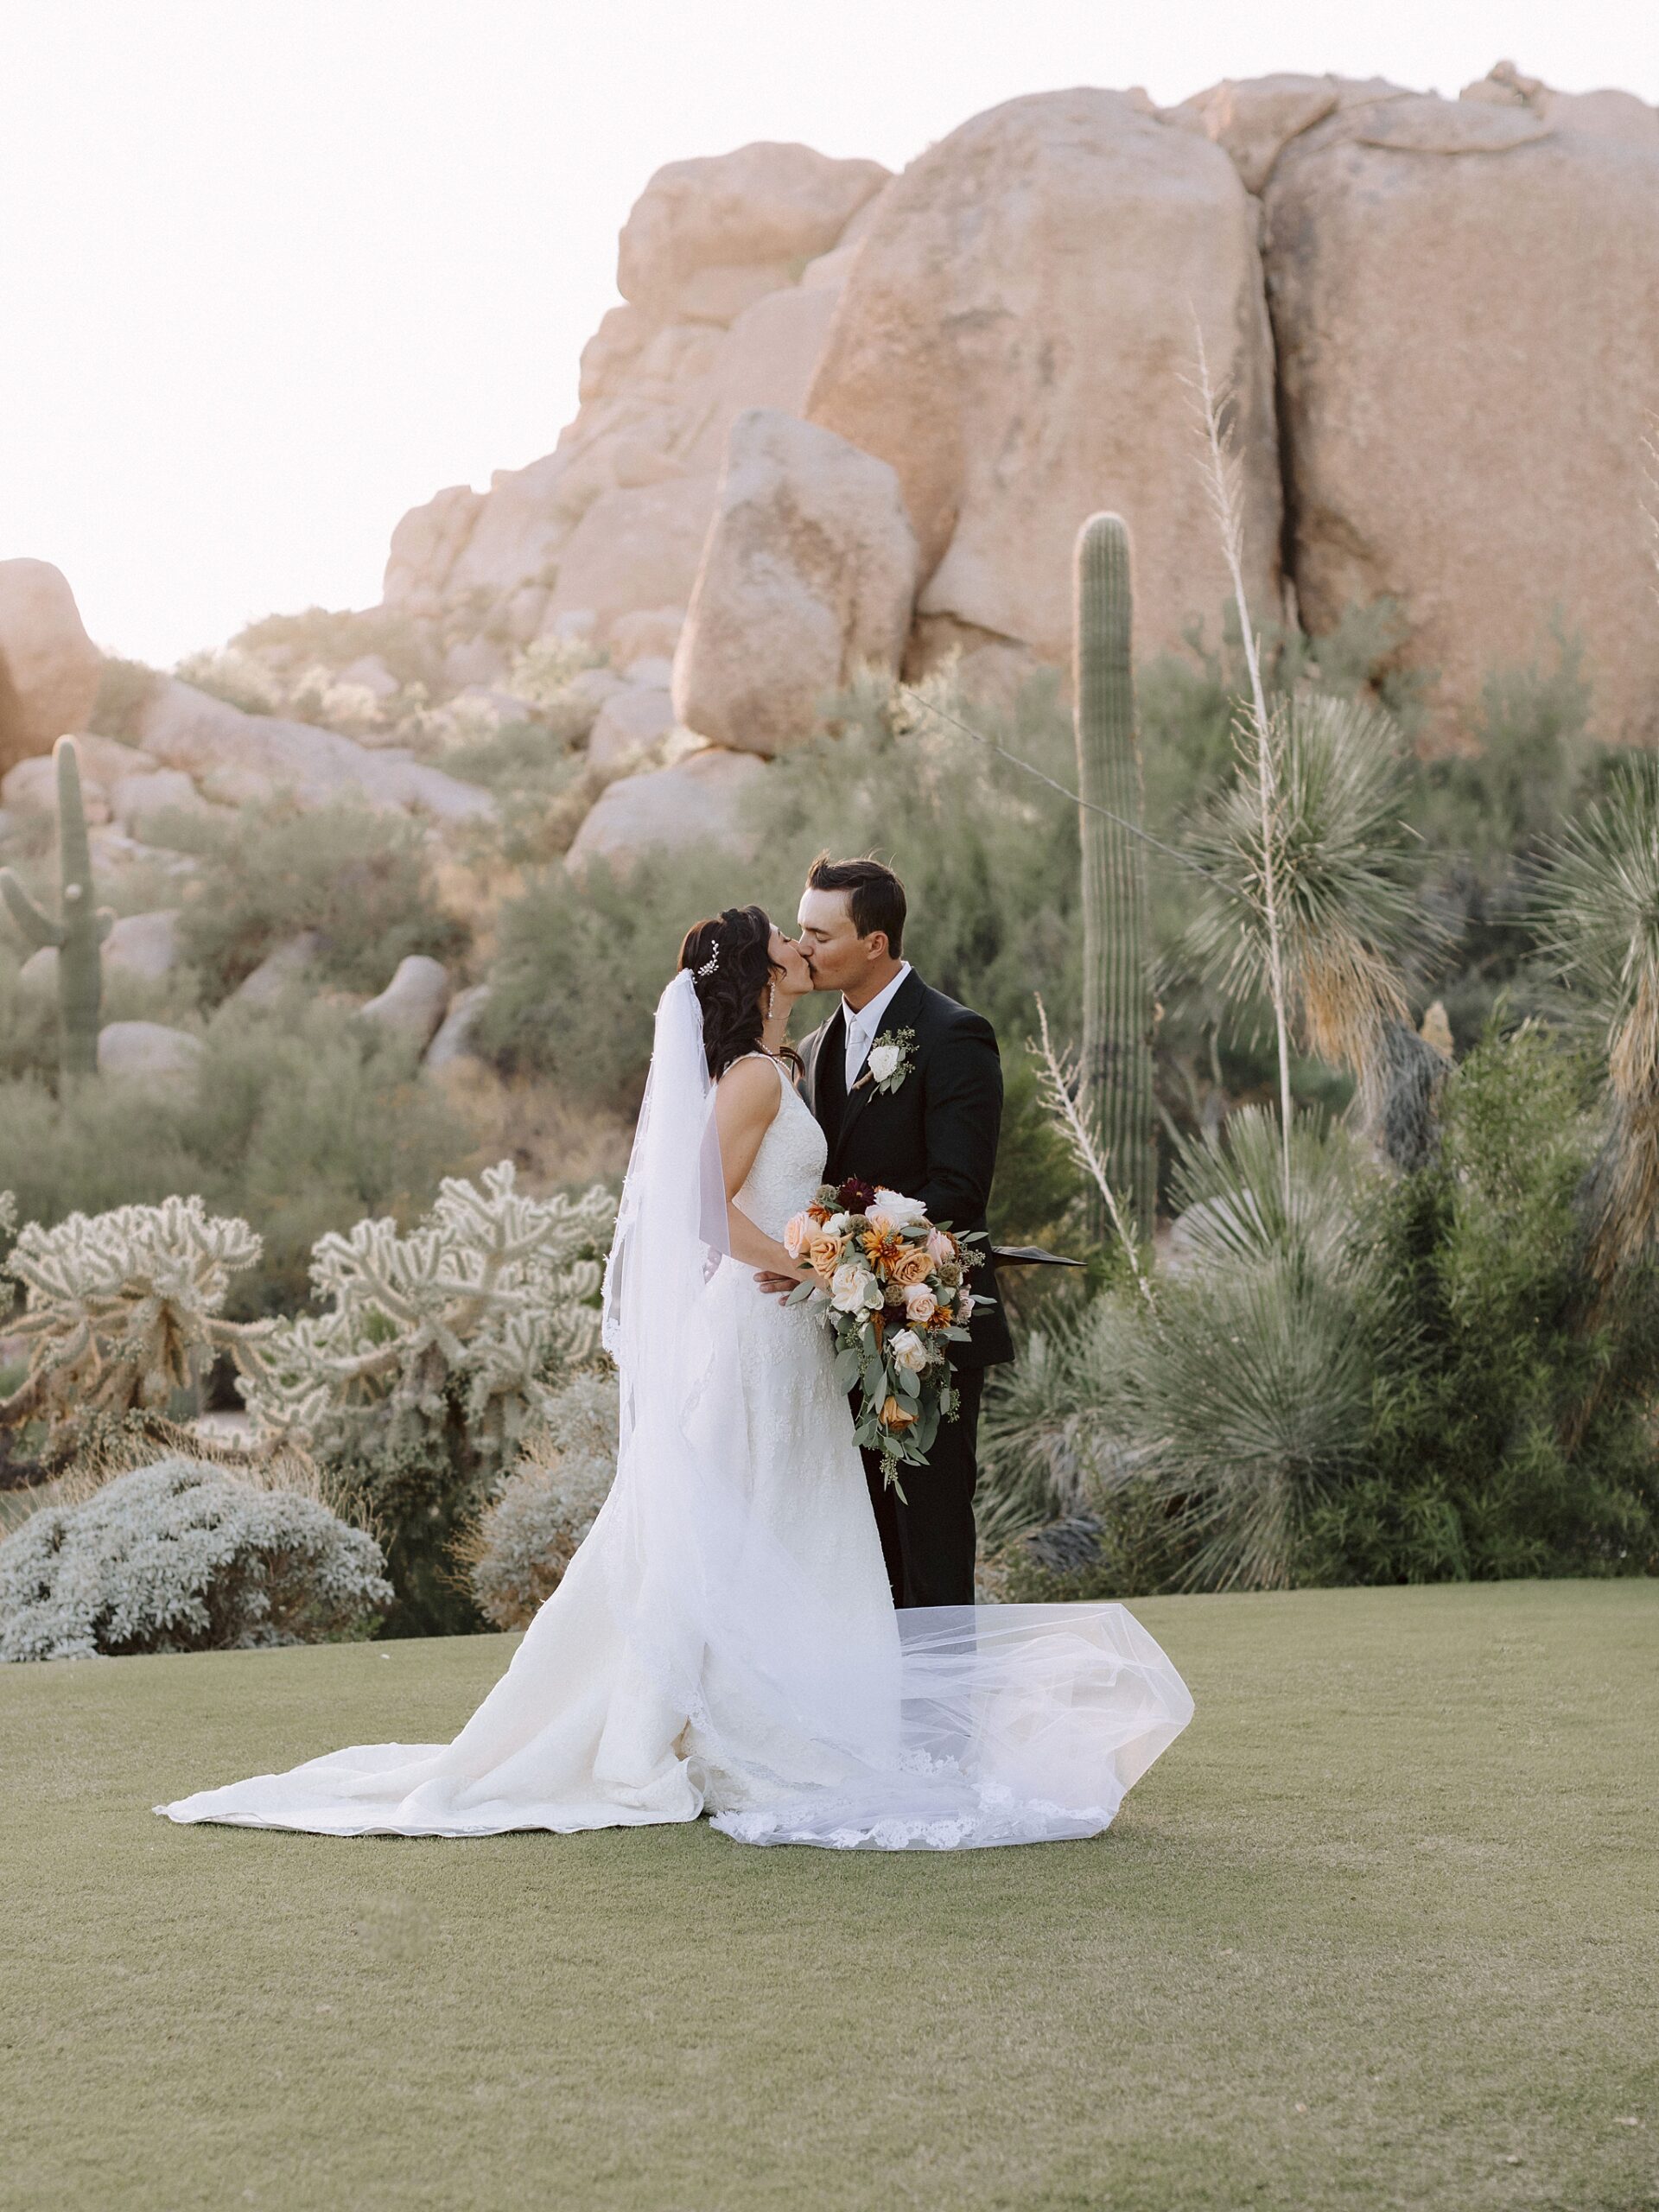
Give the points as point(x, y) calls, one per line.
point(1117, 1009)
point(81, 930)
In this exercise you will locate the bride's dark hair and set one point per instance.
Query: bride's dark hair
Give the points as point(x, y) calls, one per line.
point(731, 966)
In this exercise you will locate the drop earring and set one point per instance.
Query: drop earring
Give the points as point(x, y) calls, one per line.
point(772, 999)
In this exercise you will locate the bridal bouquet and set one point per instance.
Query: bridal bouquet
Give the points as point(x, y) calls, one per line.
point(893, 1287)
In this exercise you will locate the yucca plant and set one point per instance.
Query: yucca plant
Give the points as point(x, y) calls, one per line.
point(1334, 846)
point(1597, 910)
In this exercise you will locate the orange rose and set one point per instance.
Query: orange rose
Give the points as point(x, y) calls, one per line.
point(894, 1416)
point(824, 1254)
point(911, 1266)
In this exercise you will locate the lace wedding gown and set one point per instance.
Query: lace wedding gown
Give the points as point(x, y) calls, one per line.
point(725, 1640)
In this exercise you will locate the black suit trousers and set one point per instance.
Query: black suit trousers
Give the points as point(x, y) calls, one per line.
point(929, 1542)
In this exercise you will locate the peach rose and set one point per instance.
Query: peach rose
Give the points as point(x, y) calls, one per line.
point(894, 1416)
point(920, 1305)
point(797, 1229)
point(941, 1247)
point(824, 1254)
point(910, 1266)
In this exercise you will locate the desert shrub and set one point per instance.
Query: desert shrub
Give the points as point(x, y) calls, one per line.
point(333, 637)
point(295, 1125)
point(361, 878)
point(126, 687)
point(528, 1535)
point(181, 1557)
point(1511, 1425)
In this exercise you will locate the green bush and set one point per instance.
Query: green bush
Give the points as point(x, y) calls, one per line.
point(126, 687)
point(297, 1125)
point(362, 880)
point(1512, 1430)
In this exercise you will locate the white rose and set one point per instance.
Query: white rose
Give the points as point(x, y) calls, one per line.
point(920, 1305)
point(896, 1210)
point(884, 1061)
point(907, 1351)
point(847, 1288)
point(838, 1224)
point(797, 1231)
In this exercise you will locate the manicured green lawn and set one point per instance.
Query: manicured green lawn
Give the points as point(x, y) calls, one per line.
point(1378, 1931)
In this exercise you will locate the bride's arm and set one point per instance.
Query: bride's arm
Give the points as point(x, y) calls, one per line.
point(747, 1100)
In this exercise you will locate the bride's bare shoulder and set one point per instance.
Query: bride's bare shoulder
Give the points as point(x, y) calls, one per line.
point(749, 1087)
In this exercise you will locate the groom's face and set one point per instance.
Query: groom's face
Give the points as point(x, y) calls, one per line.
point(840, 959)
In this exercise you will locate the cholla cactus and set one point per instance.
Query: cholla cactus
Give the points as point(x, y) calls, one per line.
point(181, 1557)
point(480, 1310)
point(123, 1309)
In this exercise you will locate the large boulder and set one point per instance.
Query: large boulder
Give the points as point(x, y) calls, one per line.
point(1012, 337)
point(1466, 303)
point(235, 758)
point(707, 238)
point(49, 666)
point(628, 725)
point(147, 1049)
point(713, 249)
point(1253, 119)
point(701, 800)
point(454, 1041)
point(810, 570)
point(425, 547)
point(413, 1003)
point(634, 549)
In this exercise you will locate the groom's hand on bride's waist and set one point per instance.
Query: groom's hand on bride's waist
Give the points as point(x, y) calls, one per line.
point(777, 1285)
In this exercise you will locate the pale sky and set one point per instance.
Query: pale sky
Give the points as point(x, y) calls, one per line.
point(272, 271)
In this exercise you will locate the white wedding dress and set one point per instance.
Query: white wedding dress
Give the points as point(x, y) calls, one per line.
point(725, 1640)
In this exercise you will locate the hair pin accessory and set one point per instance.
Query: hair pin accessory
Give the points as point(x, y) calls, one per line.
point(712, 961)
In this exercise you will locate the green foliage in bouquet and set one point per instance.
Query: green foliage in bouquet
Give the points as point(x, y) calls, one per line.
point(81, 928)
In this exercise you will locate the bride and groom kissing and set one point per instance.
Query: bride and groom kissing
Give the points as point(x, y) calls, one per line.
point(758, 1628)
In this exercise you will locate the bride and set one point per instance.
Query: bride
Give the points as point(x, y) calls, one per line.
point(725, 1640)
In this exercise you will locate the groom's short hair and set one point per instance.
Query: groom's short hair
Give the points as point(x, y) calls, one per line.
point(875, 896)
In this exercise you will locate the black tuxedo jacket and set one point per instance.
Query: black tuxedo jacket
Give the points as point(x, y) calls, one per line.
point(934, 1138)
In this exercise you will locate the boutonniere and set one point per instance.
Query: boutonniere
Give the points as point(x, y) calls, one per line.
point(893, 1056)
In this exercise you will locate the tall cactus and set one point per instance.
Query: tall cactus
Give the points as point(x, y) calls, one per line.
point(82, 929)
point(1117, 1009)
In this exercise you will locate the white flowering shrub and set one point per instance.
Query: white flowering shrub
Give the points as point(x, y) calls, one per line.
point(528, 1535)
point(123, 1309)
point(181, 1557)
point(475, 1317)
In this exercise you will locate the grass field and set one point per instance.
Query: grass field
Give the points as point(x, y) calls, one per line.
point(1378, 1931)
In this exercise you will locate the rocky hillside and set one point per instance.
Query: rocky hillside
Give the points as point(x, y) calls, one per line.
point(1438, 319)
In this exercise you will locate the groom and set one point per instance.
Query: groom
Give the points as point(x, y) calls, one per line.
point(932, 1134)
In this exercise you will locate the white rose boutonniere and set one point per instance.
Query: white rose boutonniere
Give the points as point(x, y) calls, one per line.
point(892, 1058)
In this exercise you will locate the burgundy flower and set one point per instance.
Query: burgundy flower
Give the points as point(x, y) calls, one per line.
point(854, 1197)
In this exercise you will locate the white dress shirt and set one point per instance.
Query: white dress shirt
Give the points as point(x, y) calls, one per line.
point(865, 1025)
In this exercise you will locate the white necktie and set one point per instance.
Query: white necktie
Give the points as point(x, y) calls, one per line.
point(857, 1046)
